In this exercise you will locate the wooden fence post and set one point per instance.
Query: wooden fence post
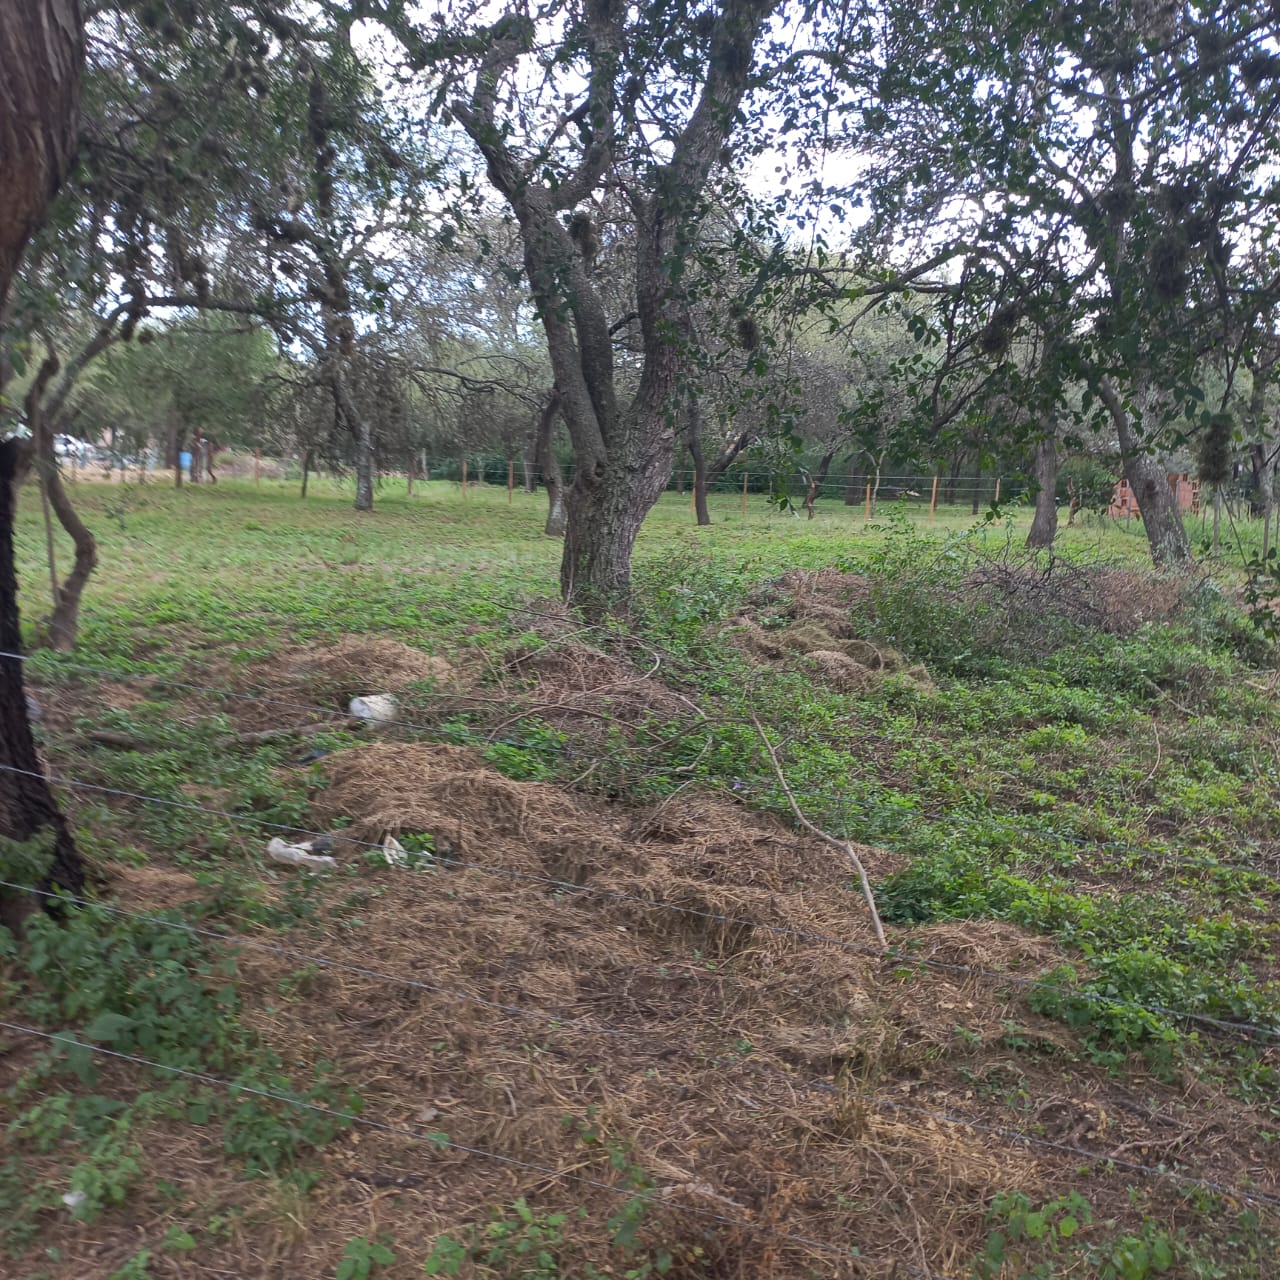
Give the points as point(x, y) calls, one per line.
point(511, 479)
point(464, 477)
point(410, 475)
point(744, 493)
point(997, 502)
point(868, 501)
point(933, 500)
point(257, 466)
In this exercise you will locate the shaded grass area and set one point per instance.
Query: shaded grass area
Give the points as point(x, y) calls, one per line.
point(1081, 799)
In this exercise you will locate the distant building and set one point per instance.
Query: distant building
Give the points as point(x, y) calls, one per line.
point(1124, 502)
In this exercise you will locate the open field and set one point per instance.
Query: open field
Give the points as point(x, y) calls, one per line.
point(621, 1015)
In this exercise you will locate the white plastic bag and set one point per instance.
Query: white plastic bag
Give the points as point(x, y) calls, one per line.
point(377, 708)
point(297, 855)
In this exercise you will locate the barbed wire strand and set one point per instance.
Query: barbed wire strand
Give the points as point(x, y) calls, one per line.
point(573, 1023)
point(442, 1142)
point(900, 957)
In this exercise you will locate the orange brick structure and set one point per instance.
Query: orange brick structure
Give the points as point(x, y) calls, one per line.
point(1124, 502)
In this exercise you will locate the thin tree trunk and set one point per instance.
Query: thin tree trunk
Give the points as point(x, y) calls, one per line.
point(41, 61)
point(1044, 526)
point(364, 465)
point(694, 439)
point(850, 485)
point(549, 465)
point(824, 466)
point(27, 806)
point(306, 470)
point(197, 456)
point(1161, 518)
point(977, 485)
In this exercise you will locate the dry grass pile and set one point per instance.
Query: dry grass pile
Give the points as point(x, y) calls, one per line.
point(674, 995)
point(839, 660)
point(724, 1046)
point(357, 665)
point(300, 682)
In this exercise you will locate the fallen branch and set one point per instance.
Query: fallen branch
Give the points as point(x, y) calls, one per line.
point(844, 845)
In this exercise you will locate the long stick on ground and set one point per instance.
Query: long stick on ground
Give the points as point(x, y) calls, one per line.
point(844, 845)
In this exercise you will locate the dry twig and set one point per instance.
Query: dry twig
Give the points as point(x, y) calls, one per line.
point(843, 845)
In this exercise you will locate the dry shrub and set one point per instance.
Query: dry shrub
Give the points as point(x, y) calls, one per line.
point(1035, 604)
point(1128, 599)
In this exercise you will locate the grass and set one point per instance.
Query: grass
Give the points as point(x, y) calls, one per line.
point(1107, 794)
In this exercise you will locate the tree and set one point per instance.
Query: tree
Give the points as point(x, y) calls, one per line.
point(41, 62)
point(1136, 139)
point(664, 89)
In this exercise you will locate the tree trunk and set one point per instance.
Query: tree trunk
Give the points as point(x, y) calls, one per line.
point(64, 620)
point(1044, 527)
point(27, 806)
point(701, 514)
point(850, 485)
point(364, 466)
point(361, 432)
point(605, 514)
point(977, 485)
point(824, 466)
point(1161, 517)
point(549, 465)
point(41, 59)
point(306, 470)
point(197, 456)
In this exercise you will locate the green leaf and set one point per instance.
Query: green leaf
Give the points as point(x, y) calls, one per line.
point(108, 1028)
point(1068, 1227)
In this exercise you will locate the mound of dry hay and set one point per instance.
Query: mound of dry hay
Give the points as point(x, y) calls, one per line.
point(847, 665)
point(301, 681)
point(548, 1006)
point(361, 664)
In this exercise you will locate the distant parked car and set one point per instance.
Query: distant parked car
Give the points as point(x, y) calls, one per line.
point(70, 447)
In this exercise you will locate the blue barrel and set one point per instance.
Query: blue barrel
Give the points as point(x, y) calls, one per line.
point(184, 461)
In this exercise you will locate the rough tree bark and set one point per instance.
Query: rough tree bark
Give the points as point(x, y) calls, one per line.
point(1161, 518)
point(41, 60)
point(1044, 525)
point(623, 453)
point(549, 465)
